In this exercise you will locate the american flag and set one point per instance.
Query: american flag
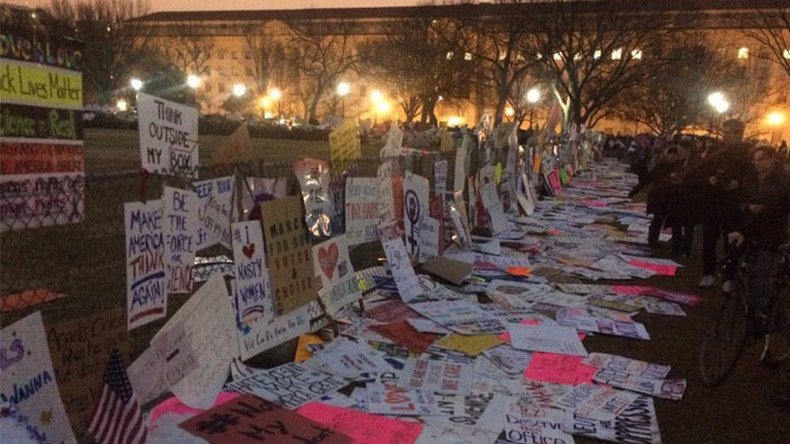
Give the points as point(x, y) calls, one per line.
point(117, 418)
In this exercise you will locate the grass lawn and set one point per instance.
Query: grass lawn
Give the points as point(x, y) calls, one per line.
point(119, 150)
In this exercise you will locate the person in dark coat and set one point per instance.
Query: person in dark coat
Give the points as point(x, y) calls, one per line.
point(661, 197)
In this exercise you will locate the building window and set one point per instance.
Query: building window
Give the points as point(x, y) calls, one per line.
point(557, 56)
point(247, 55)
point(449, 55)
point(467, 56)
point(743, 53)
point(617, 54)
point(221, 87)
point(597, 54)
point(221, 55)
point(247, 71)
point(234, 55)
point(636, 54)
point(786, 53)
point(234, 71)
point(207, 87)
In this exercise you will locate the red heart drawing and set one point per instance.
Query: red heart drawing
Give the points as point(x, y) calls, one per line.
point(248, 250)
point(327, 259)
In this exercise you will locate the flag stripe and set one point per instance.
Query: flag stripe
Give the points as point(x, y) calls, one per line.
point(97, 416)
point(117, 418)
point(109, 420)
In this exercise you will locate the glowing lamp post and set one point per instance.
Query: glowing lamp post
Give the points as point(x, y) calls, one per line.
point(136, 84)
point(720, 104)
point(533, 97)
point(775, 120)
point(239, 90)
point(276, 95)
point(343, 88)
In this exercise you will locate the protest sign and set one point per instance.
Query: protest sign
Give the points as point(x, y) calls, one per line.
point(625, 365)
point(439, 434)
point(27, 379)
point(614, 327)
point(596, 401)
point(415, 206)
point(288, 254)
point(344, 145)
point(453, 271)
point(385, 204)
point(436, 376)
point(403, 334)
point(478, 410)
point(27, 83)
point(262, 334)
point(222, 189)
point(559, 369)
point(508, 359)
point(636, 423)
point(666, 308)
point(237, 149)
point(662, 388)
point(394, 142)
point(390, 311)
point(363, 428)
point(338, 280)
point(430, 230)
point(168, 136)
point(460, 316)
point(472, 345)
point(386, 399)
point(208, 318)
point(252, 292)
point(168, 360)
point(445, 141)
point(146, 280)
point(217, 219)
point(315, 181)
point(249, 419)
point(350, 359)
point(180, 223)
point(493, 206)
point(546, 338)
point(80, 349)
point(525, 423)
point(362, 209)
point(290, 385)
point(399, 262)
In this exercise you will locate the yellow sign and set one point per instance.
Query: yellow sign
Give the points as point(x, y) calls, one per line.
point(471, 345)
point(302, 353)
point(344, 145)
point(31, 84)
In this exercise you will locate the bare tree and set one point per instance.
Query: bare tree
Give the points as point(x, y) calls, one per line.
point(592, 51)
point(420, 59)
point(189, 49)
point(267, 58)
point(114, 43)
point(771, 28)
point(321, 54)
point(499, 47)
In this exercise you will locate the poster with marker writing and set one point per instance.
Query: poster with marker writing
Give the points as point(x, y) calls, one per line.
point(180, 232)
point(252, 291)
point(146, 280)
point(168, 134)
point(338, 280)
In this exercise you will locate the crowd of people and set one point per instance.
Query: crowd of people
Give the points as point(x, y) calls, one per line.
point(735, 190)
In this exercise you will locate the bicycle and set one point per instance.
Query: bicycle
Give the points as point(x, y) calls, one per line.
point(733, 320)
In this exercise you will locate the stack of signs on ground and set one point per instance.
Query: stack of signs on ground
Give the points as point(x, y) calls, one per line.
point(42, 179)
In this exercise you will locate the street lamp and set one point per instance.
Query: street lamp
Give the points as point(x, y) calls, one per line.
point(775, 119)
point(276, 94)
point(239, 90)
point(136, 84)
point(533, 97)
point(343, 88)
point(720, 104)
point(193, 81)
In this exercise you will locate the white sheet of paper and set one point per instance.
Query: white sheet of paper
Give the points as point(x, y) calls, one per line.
point(350, 359)
point(180, 224)
point(261, 335)
point(222, 189)
point(290, 385)
point(493, 206)
point(161, 151)
point(399, 262)
point(146, 274)
point(546, 338)
point(429, 238)
point(252, 292)
point(436, 376)
point(26, 364)
point(362, 209)
point(338, 280)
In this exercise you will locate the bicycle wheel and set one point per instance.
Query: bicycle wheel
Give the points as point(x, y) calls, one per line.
point(778, 337)
point(723, 343)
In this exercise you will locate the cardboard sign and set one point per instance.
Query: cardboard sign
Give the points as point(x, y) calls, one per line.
point(399, 262)
point(415, 205)
point(394, 142)
point(446, 141)
point(629, 366)
point(40, 158)
point(344, 144)
point(288, 254)
point(27, 380)
point(363, 428)
point(180, 223)
point(493, 206)
point(403, 334)
point(455, 272)
point(168, 136)
point(290, 385)
point(237, 149)
point(440, 179)
point(338, 279)
point(146, 281)
point(386, 200)
point(208, 319)
point(80, 350)
point(33, 84)
point(362, 208)
point(249, 419)
point(252, 292)
point(222, 189)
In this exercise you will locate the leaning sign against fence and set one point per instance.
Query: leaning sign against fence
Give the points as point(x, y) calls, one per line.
point(42, 179)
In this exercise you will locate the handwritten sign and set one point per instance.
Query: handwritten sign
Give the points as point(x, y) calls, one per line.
point(27, 83)
point(180, 225)
point(344, 144)
point(262, 334)
point(222, 189)
point(290, 385)
point(385, 399)
point(80, 350)
point(415, 205)
point(546, 338)
point(399, 262)
point(146, 281)
point(168, 136)
point(394, 142)
point(252, 292)
point(338, 279)
point(529, 423)
point(559, 369)
point(436, 376)
point(636, 423)
point(27, 380)
point(288, 254)
point(362, 209)
point(662, 388)
point(217, 219)
point(493, 206)
point(249, 419)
